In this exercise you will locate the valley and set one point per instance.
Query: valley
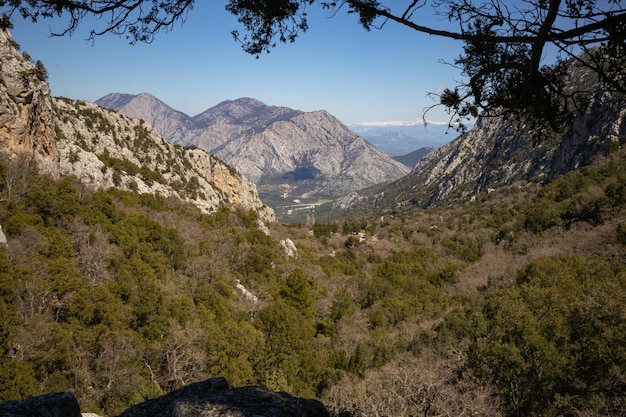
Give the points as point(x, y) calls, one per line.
point(489, 280)
point(314, 153)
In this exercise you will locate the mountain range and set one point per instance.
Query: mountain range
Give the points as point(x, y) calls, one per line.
point(104, 149)
point(132, 266)
point(297, 159)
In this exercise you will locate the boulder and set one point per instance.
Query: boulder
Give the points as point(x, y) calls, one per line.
point(210, 398)
point(58, 404)
point(214, 397)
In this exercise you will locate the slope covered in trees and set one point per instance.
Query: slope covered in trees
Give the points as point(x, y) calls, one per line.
point(510, 305)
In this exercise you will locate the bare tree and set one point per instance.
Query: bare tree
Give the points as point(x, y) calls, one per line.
point(93, 251)
point(428, 385)
point(180, 356)
point(19, 174)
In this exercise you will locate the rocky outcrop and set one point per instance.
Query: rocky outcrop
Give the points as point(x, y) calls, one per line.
point(49, 405)
point(210, 398)
point(312, 152)
point(105, 149)
point(289, 248)
point(213, 397)
point(500, 151)
point(26, 114)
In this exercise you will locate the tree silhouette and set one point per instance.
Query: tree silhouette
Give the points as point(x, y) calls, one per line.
point(504, 42)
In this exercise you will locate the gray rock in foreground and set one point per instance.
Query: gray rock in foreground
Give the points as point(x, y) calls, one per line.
point(58, 404)
point(210, 398)
point(214, 397)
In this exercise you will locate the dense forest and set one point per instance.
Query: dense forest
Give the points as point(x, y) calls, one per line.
point(510, 305)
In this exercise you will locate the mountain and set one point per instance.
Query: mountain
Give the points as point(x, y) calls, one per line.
point(508, 304)
point(105, 149)
point(144, 106)
point(500, 152)
point(290, 155)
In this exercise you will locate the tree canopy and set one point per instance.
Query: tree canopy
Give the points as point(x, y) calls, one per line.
point(504, 42)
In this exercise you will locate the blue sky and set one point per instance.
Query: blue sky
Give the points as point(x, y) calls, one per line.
point(358, 76)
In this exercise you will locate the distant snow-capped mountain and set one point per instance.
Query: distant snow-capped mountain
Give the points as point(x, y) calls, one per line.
point(401, 138)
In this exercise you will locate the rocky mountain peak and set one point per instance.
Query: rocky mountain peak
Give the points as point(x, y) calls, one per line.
point(245, 111)
point(289, 154)
point(145, 106)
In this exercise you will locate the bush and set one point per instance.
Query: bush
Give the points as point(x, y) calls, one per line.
point(324, 229)
point(621, 233)
point(5, 22)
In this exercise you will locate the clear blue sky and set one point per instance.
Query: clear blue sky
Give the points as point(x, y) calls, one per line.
point(359, 76)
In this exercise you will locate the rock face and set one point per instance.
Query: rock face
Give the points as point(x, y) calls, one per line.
point(105, 149)
point(26, 113)
point(499, 152)
point(210, 398)
point(312, 152)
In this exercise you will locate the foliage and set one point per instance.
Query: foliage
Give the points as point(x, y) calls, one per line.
point(541, 342)
point(290, 361)
point(321, 230)
point(353, 226)
point(40, 71)
point(119, 297)
point(5, 22)
point(296, 292)
point(503, 46)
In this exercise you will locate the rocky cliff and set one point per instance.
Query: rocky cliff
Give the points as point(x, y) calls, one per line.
point(500, 151)
point(310, 153)
point(105, 149)
point(26, 111)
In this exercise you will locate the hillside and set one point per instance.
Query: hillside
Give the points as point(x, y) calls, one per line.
point(501, 151)
point(412, 158)
point(119, 297)
point(401, 138)
point(289, 154)
point(104, 149)
point(509, 304)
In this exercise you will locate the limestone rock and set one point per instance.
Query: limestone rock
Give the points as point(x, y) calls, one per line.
point(289, 247)
point(213, 398)
point(105, 149)
point(500, 151)
point(26, 113)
